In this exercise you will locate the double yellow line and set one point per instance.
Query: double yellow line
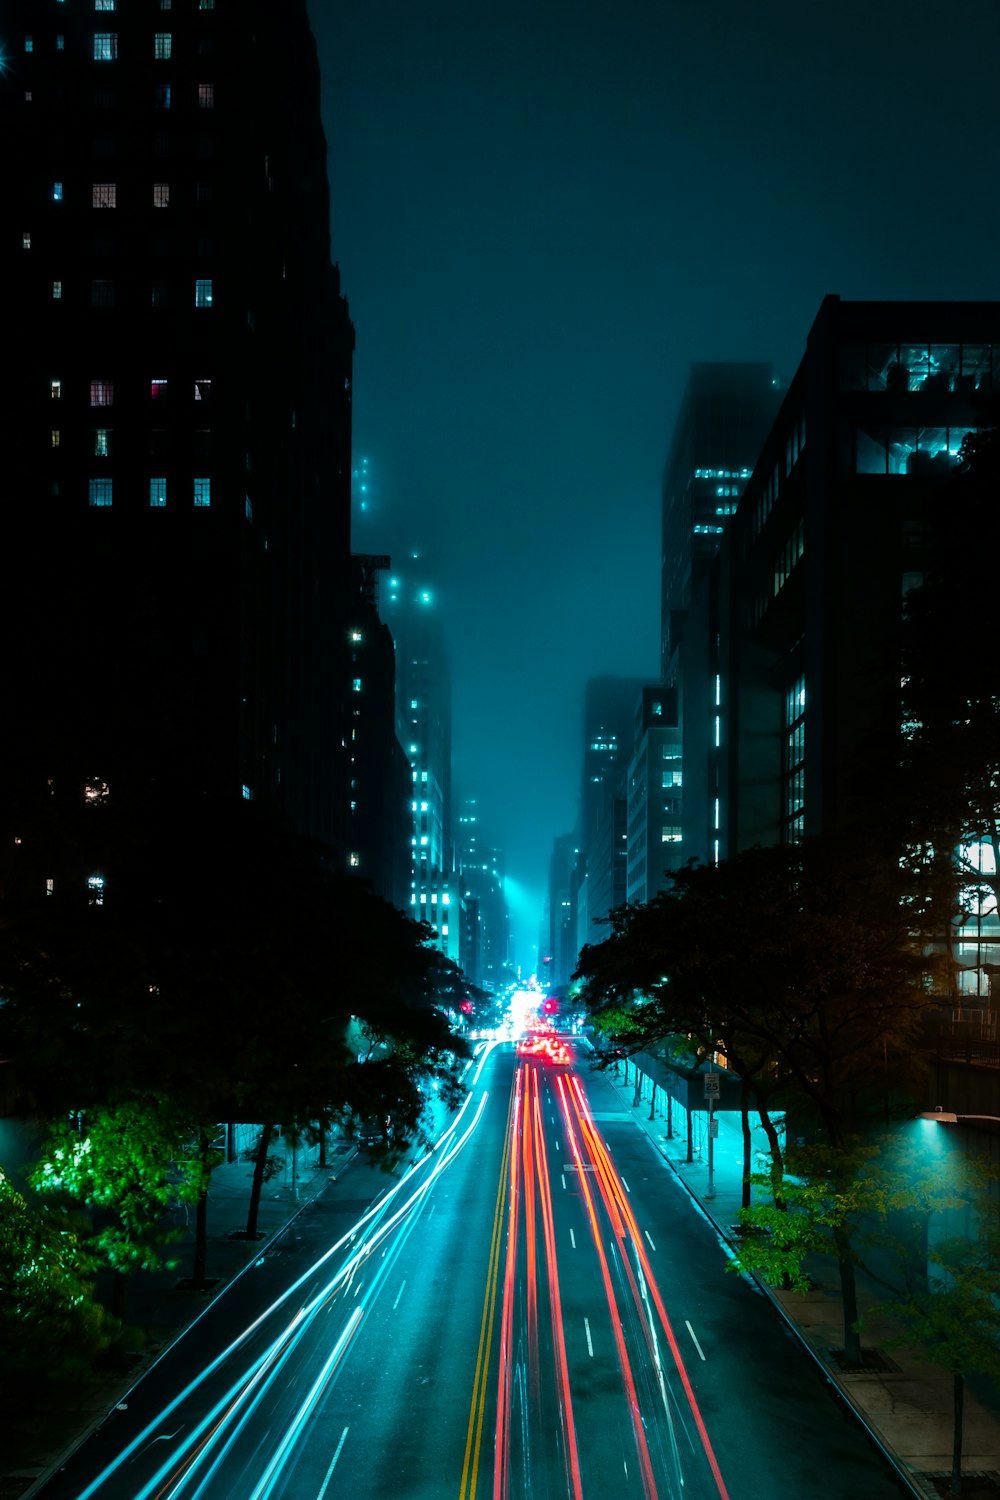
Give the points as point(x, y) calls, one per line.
point(474, 1437)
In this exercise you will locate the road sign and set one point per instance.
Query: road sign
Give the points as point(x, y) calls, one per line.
point(712, 1085)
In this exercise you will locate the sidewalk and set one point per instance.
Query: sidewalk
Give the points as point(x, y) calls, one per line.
point(37, 1439)
point(906, 1404)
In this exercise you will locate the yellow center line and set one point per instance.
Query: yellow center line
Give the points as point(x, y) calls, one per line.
point(474, 1437)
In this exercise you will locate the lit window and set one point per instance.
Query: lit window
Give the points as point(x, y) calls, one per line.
point(102, 442)
point(50, 886)
point(357, 635)
point(203, 293)
point(162, 43)
point(247, 794)
point(100, 492)
point(27, 96)
point(102, 393)
point(165, 4)
point(249, 509)
point(57, 192)
point(60, 42)
point(57, 290)
point(95, 884)
point(206, 4)
point(161, 96)
point(105, 46)
point(161, 194)
point(158, 492)
point(55, 389)
point(103, 195)
point(56, 437)
point(102, 294)
point(356, 685)
point(354, 861)
point(158, 390)
point(203, 390)
point(29, 44)
point(26, 240)
point(202, 492)
point(206, 96)
point(104, 4)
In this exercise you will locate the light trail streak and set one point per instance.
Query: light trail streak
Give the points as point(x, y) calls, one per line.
point(231, 1403)
point(570, 1450)
point(473, 1440)
point(265, 1485)
point(501, 1456)
point(638, 1431)
point(599, 1150)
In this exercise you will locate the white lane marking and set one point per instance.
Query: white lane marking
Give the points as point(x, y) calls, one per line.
point(562, 1179)
point(333, 1464)
point(398, 1295)
point(572, 1239)
point(557, 1145)
point(590, 1342)
point(625, 1185)
point(691, 1331)
point(649, 1238)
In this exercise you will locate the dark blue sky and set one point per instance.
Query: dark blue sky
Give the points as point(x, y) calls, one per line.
point(542, 212)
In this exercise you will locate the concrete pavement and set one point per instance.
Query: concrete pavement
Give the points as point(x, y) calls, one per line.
point(907, 1404)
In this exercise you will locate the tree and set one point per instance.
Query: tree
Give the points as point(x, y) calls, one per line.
point(131, 1161)
point(945, 1283)
point(49, 1320)
point(797, 965)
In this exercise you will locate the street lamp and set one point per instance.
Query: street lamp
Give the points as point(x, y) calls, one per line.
point(945, 1116)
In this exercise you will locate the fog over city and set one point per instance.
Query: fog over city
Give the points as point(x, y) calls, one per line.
point(542, 213)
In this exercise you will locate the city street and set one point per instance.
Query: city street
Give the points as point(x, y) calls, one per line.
point(536, 1309)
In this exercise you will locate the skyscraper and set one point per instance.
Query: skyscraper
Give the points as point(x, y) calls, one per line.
point(176, 500)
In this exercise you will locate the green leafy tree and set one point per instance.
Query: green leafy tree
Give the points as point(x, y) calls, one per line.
point(797, 965)
point(131, 1162)
point(49, 1319)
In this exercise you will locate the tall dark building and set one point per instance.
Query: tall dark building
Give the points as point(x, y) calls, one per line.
point(725, 413)
point(175, 512)
point(380, 784)
point(602, 859)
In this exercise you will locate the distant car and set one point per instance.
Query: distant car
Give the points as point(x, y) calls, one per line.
point(371, 1133)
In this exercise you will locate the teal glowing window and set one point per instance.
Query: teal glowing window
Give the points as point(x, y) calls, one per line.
point(57, 192)
point(203, 293)
point(158, 492)
point(100, 491)
point(105, 46)
point(162, 46)
point(102, 442)
point(202, 492)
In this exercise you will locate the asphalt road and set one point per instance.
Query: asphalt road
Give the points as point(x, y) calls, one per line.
point(537, 1310)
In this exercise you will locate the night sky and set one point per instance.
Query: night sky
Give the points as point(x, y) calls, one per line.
point(542, 213)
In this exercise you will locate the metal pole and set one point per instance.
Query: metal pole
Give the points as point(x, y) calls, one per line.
point(711, 1153)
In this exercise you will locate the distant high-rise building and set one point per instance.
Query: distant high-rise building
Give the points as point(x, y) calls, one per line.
point(655, 791)
point(559, 937)
point(485, 918)
point(423, 720)
point(608, 743)
point(175, 515)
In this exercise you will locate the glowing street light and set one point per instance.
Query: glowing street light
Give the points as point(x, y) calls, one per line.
point(946, 1117)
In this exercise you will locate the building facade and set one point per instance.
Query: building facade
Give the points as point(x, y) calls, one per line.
point(176, 507)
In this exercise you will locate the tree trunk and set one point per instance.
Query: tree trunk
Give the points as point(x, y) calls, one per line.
point(198, 1269)
point(777, 1160)
point(670, 1111)
point(259, 1163)
point(690, 1128)
point(637, 1096)
point(119, 1295)
point(955, 1487)
point(849, 1296)
point(652, 1103)
point(747, 1143)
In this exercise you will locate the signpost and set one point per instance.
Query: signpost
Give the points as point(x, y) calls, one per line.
point(711, 1094)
